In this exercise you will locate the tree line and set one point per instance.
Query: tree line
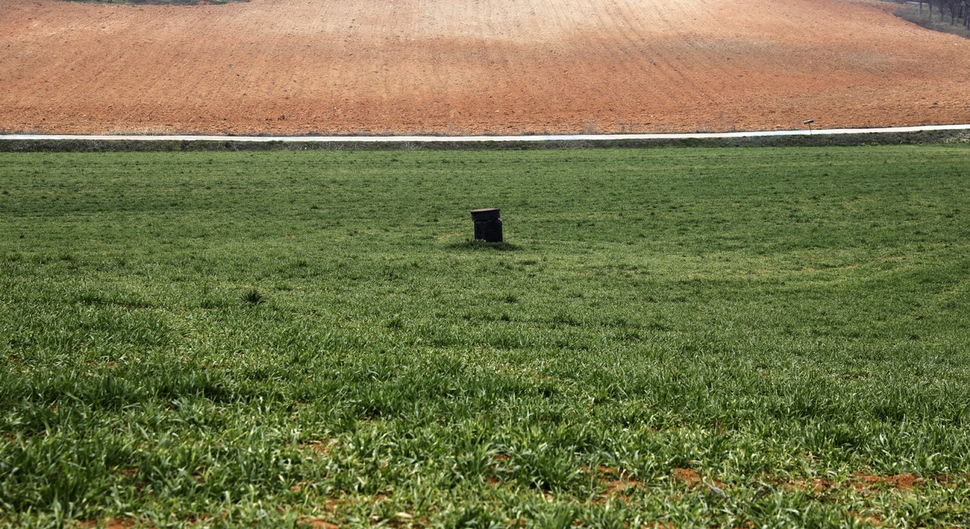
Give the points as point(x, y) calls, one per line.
point(958, 11)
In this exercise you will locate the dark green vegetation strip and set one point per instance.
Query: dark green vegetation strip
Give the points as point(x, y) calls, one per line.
point(713, 337)
point(817, 140)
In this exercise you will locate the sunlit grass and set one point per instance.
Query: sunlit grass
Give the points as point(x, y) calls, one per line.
point(689, 337)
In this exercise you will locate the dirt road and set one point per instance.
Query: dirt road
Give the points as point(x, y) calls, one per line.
point(473, 67)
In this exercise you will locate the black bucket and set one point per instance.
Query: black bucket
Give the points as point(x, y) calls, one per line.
point(488, 225)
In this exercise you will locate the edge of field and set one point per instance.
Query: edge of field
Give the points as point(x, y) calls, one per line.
point(170, 145)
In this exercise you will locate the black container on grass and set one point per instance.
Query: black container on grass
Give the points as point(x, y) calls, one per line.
point(488, 225)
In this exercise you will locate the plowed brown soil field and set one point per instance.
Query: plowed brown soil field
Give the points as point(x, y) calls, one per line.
point(473, 66)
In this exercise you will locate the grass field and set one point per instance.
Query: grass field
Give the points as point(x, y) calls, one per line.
point(706, 337)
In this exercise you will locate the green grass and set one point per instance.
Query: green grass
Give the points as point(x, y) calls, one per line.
point(686, 337)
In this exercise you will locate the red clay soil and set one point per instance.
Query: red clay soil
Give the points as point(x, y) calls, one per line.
point(473, 66)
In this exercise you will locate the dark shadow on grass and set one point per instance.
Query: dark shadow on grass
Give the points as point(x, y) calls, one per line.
point(253, 297)
point(478, 245)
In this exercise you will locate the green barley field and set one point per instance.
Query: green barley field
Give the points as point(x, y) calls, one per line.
point(669, 337)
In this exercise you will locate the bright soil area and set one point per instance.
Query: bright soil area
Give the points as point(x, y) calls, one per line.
point(473, 66)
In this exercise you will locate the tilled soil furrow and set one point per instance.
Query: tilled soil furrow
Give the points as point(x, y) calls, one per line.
point(472, 66)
